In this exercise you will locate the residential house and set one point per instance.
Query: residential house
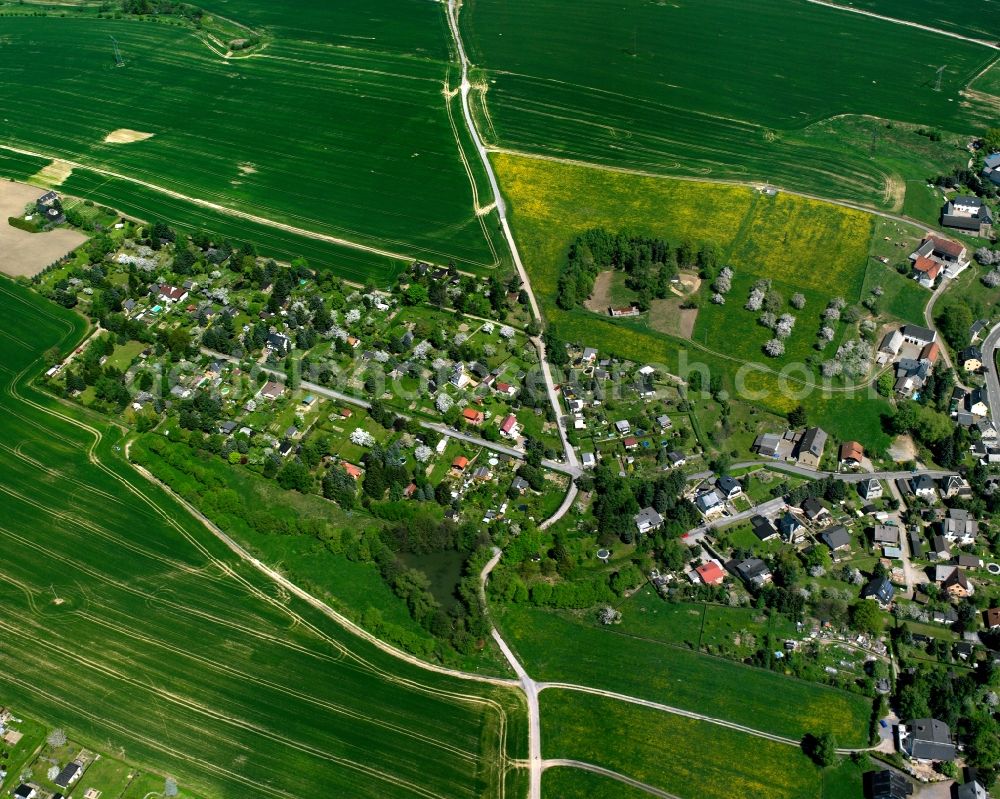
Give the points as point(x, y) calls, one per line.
point(286, 448)
point(711, 573)
point(991, 618)
point(970, 790)
point(966, 561)
point(729, 487)
point(763, 528)
point(675, 459)
point(459, 464)
point(272, 390)
point(977, 402)
point(279, 343)
point(957, 584)
point(768, 445)
point(923, 486)
point(753, 571)
point(870, 489)
point(664, 422)
point(506, 389)
point(790, 527)
point(927, 740)
point(971, 359)
point(623, 427)
point(709, 502)
point(509, 427)
point(170, 294)
point(968, 214)
point(587, 460)
point(954, 486)
point(482, 473)
point(589, 355)
point(520, 485)
point(458, 378)
point(977, 328)
point(885, 535)
point(25, 791)
point(889, 348)
point(630, 443)
point(647, 520)
point(991, 168)
point(836, 537)
point(960, 526)
point(939, 548)
point(813, 509)
point(473, 417)
point(851, 453)
point(879, 589)
point(810, 450)
point(916, 545)
point(926, 271)
point(69, 774)
point(911, 375)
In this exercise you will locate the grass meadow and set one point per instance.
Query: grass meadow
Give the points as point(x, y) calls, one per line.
point(571, 783)
point(675, 675)
point(803, 245)
point(688, 758)
point(360, 142)
point(131, 626)
point(719, 89)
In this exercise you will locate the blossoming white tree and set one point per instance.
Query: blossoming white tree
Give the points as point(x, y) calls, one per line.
point(362, 437)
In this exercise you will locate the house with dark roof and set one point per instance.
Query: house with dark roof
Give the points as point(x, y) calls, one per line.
point(836, 537)
point(25, 791)
point(728, 486)
point(970, 790)
point(810, 449)
point(889, 784)
point(977, 402)
point(69, 774)
point(709, 502)
point(960, 526)
point(968, 214)
point(927, 740)
point(923, 486)
point(885, 535)
point(813, 509)
point(971, 359)
point(753, 571)
point(870, 489)
point(763, 528)
point(879, 589)
point(957, 584)
point(279, 343)
point(991, 168)
point(790, 527)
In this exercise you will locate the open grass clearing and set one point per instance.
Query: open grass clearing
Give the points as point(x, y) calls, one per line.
point(685, 757)
point(674, 675)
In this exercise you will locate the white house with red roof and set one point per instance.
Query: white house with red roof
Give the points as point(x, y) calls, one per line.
point(171, 294)
point(509, 427)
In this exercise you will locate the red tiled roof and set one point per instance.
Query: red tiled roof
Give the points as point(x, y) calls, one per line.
point(851, 450)
point(930, 352)
point(351, 469)
point(473, 415)
point(710, 572)
point(630, 442)
point(460, 462)
point(508, 424)
point(952, 248)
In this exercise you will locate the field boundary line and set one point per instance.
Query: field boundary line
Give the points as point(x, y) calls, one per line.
point(908, 23)
point(222, 209)
point(689, 714)
point(606, 772)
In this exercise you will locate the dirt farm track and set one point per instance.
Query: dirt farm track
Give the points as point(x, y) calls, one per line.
point(23, 253)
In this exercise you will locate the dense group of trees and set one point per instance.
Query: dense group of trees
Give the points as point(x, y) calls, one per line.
point(649, 263)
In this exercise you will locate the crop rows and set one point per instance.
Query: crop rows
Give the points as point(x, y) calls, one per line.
point(129, 624)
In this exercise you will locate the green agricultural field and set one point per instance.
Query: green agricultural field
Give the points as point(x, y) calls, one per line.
point(560, 782)
point(363, 143)
point(130, 625)
point(676, 676)
point(719, 89)
point(550, 203)
point(687, 758)
point(977, 19)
